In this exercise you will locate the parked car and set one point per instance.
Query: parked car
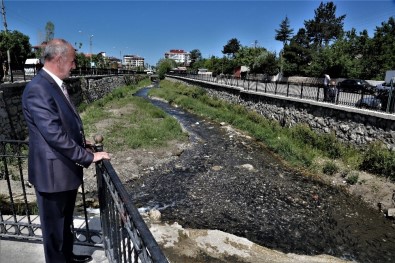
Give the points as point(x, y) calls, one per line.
point(369, 102)
point(387, 96)
point(355, 86)
point(32, 65)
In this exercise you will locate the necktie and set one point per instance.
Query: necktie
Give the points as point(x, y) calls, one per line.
point(64, 89)
point(66, 94)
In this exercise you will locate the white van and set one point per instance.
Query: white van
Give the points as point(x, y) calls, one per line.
point(31, 66)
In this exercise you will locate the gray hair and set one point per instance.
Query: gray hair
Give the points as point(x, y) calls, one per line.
point(54, 48)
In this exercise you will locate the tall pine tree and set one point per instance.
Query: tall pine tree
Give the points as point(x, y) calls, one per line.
point(325, 27)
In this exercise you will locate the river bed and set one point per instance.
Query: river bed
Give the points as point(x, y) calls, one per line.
point(230, 182)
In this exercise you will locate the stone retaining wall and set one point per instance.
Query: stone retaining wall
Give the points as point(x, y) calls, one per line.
point(353, 125)
point(84, 89)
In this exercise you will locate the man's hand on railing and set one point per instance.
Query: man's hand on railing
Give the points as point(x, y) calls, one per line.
point(98, 156)
point(97, 149)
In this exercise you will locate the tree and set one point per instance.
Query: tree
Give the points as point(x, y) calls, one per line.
point(259, 60)
point(196, 55)
point(49, 31)
point(81, 60)
point(266, 63)
point(247, 55)
point(325, 26)
point(18, 44)
point(284, 34)
point(198, 64)
point(232, 47)
point(164, 66)
point(297, 54)
point(383, 49)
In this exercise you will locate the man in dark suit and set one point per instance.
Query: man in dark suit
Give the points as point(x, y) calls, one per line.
point(58, 151)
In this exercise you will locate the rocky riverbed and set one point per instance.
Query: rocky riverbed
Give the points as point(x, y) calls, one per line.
point(224, 180)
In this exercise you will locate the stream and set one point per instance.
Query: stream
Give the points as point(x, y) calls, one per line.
point(230, 182)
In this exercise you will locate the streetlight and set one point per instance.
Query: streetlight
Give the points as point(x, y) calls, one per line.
point(90, 47)
point(120, 55)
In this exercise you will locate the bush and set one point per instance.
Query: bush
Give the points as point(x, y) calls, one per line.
point(330, 168)
point(304, 134)
point(326, 143)
point(329, 144)
point(378, 160)
point(352, 178)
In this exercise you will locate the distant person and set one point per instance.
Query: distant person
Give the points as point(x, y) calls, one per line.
point(327, 81)
point(57, 151)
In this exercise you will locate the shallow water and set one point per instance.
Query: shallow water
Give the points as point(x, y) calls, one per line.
point(271, 205)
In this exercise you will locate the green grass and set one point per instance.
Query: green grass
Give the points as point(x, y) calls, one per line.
point(298, 145)
point(126, 121)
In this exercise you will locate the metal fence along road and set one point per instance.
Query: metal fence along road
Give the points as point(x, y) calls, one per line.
point(378, 100)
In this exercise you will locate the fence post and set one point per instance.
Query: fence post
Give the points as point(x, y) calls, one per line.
point(266, 86)
point(318, 93)
point(301, 91)
point(256, 87)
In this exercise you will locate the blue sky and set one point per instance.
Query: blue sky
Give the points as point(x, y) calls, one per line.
point(150, 28)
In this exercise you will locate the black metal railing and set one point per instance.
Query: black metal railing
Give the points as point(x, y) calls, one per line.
point(126, 236)
point(18, 209)
point(123, 233)
point(373, 99)
point(27, 72)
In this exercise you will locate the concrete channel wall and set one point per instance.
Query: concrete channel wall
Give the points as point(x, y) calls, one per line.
point(349, 124)
point(81, 90)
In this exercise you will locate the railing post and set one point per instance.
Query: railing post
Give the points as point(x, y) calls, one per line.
point(318, 93)
point(98, 143)
point(266, 86)
point(256, 86)
point(98, 147)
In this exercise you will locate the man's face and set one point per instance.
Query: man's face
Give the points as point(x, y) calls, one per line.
point(67, 63)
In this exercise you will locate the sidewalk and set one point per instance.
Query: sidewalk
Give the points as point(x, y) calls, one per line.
point(26, 252)
point(30, 252)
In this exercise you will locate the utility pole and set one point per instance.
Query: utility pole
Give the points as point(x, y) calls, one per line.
point(6, 33)
point(90, 47)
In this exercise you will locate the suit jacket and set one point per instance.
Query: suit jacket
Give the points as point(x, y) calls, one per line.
point(57, 151)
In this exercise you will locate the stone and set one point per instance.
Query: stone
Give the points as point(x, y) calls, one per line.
point(154, 215)
point(391, 212)
point(216, 168)
point(247, 166)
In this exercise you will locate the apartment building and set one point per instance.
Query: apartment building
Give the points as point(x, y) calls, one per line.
point(133, 61)
point(179, 55)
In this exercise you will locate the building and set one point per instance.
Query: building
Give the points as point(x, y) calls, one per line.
point(133, 61)
point(179, 56)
